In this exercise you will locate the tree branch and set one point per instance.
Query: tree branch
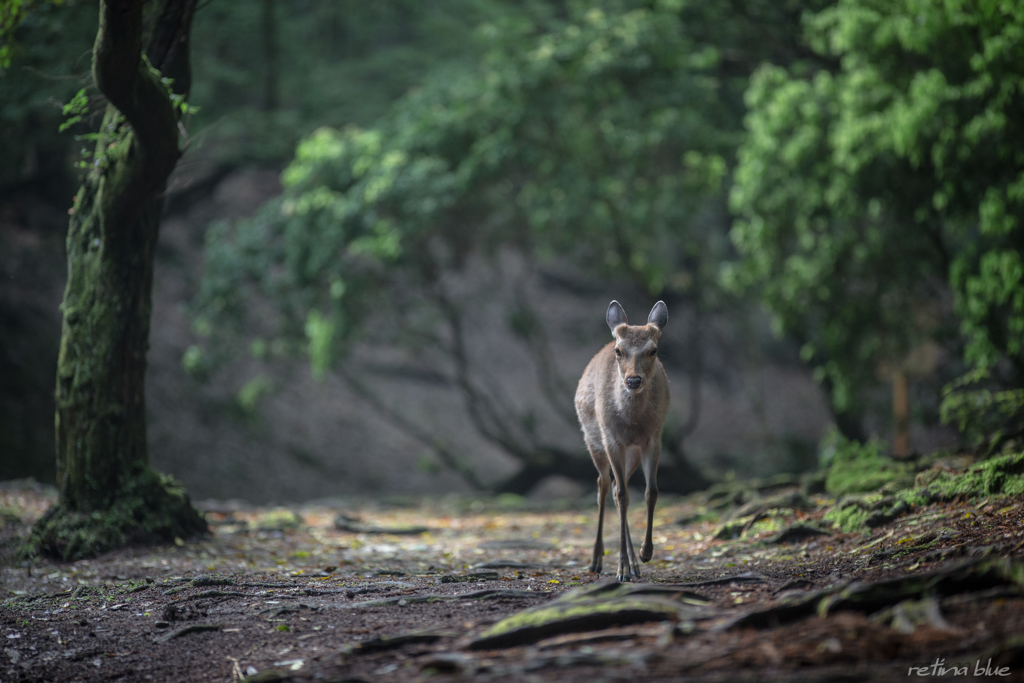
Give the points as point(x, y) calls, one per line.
point(481, 410)
point(167, 42)
point(134, 88)
point(117, 51)
point(557, 392)
point(449, 459)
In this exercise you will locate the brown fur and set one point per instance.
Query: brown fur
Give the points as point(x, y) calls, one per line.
point(622, 425)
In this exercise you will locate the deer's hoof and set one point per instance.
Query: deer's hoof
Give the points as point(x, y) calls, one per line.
point(646, 552)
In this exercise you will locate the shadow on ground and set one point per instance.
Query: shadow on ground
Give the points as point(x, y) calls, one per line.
point(748, 583)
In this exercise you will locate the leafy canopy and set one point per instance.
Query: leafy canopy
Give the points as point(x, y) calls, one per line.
point(868, 191)
point(603, 140)
point(267, 74)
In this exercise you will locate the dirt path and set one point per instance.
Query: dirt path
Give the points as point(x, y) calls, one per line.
point(286, 595)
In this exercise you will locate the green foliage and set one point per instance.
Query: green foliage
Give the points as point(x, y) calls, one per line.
point(12, 13)
point(255, 389)
point(46, 47)
point(328, 63)
point(980, 412)
point(195, 362)
point(335, 63)
point(865, 190)
point(74, 110)
point(604, 139)
point(181, 106)
point(859, 468)
point(320, 331)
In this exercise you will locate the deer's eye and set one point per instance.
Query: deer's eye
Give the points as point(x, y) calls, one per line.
point(654, 352)
point(618, 353)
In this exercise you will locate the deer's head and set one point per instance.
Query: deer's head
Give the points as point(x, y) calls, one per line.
point(636, 346)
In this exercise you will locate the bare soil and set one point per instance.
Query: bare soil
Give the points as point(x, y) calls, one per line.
point(275, 595)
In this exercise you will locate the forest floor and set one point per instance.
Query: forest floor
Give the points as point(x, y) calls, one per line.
point(356, 592)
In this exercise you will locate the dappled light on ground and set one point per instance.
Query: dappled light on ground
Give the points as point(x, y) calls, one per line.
point(498, 590)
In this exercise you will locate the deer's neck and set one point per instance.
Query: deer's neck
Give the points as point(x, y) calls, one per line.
point(630, 404)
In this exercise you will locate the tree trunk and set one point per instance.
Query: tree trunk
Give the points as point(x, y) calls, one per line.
point(901, 415)
point(108, 494)
point(268, 29)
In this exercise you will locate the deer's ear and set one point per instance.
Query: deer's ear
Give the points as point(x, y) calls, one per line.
point(658, 316)
point(615, 315)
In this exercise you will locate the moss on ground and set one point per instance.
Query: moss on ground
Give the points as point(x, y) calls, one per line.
point(847, 518)
point(861, 468)
point(280, 519)
point(151, 508)
point(999, 476)
point(9, 516)
point(564, 612)
point(735, 528)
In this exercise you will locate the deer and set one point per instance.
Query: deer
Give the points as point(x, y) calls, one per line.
point(621, 403)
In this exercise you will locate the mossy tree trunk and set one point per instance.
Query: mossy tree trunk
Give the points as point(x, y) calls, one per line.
point(108, 494)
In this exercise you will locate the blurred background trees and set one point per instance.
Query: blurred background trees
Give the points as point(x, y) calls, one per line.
point(596, 143)
point(815, 188)
point(880, 200)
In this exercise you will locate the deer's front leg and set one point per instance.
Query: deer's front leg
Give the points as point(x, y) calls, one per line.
point(628, 566)
point(650, 465)
point(633, 458)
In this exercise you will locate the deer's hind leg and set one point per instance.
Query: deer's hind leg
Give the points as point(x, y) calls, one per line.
point(603, 481)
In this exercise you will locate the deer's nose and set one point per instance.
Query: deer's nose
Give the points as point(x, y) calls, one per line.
point(634, 382)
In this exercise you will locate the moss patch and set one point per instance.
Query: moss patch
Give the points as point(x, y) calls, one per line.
point(8, 516)
point(280, 519)
point(847, 518)
point(151, 508)
point(861, 468)
point(532, 625)
point(1001, 475)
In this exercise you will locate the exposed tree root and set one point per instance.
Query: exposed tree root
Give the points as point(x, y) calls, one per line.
point(152, 508)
